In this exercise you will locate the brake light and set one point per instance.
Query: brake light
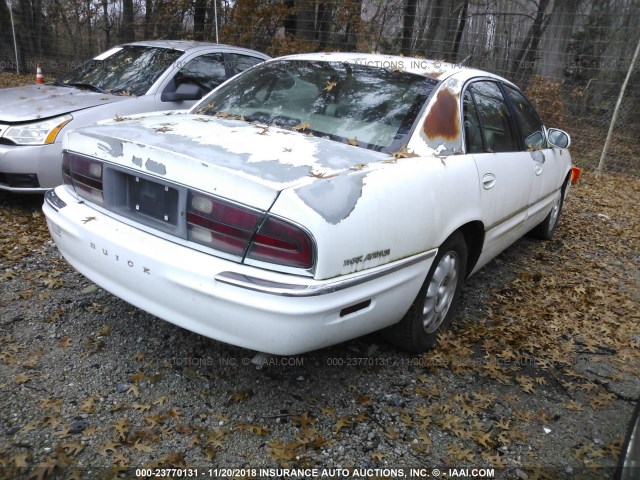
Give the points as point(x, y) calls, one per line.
point(221, 225)
point(84, 175)
point(231, 228)
point(281, 242)
point(211, 221)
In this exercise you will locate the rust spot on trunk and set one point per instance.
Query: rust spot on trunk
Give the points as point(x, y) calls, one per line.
point(443, 119)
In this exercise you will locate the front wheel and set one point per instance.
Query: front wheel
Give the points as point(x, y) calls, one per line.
point(545, 229)
point(433, 308)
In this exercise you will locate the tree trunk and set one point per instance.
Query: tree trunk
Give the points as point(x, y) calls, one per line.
point(128, 35)
point(305, 20)
point(6, 36)
point(199, 16)
point(557, 36)
point(408, 22)
point(67, 28)
point(107, 26)
point(325, 19)
point(460, 30)
point(148, 18)
point(351, 31)
point(435, 17)
point(529, 47)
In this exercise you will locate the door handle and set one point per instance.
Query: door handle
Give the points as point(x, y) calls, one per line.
point(538, 169)
point(488, 181)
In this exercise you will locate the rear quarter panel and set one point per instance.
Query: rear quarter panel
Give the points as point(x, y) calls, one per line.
point(384, 212)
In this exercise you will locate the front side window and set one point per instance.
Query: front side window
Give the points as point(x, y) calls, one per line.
point(528, 120)
point(206, 71)
point(130, 70)
point(497, 126)
point(364, 105)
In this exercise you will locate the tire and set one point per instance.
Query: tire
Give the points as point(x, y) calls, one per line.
point(545, 229)
point(435, 303)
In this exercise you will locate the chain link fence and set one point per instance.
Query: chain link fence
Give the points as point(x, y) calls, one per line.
point(571, 56)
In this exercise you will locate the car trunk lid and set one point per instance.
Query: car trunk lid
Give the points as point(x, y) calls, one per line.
point(244, 162)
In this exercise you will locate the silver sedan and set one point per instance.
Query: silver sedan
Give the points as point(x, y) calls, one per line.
point(133, 78)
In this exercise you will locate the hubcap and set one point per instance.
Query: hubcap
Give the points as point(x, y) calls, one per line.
point(555, 211)
point(440, 292)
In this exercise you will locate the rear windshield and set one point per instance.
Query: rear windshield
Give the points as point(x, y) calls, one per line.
point(372, 107)
point(130, 70)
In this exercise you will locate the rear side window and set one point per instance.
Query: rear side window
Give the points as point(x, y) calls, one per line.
point(472, 130)
point(239, 63)
point(496, 123)
point(528, 120)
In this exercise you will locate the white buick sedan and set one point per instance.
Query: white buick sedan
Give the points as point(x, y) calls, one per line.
point(312, 199)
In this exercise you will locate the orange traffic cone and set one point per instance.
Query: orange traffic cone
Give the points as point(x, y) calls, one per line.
point(39, 75)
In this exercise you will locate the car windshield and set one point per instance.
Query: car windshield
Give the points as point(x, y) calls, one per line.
point(130, 70)
point(372, 107)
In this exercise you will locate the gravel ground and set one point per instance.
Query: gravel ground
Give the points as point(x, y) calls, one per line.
point(536, 379)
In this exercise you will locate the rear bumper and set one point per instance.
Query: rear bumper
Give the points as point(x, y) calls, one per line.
point(237, 304)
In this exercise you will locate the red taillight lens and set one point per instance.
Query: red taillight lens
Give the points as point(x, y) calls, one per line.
point(230, 228)
point(219, 224)
point(84, 175)
point(281, 242)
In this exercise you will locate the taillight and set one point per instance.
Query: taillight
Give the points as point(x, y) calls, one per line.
point(84, 175)
point(231, 228)
point(219, 224)
point(211, 221)
point(281, 242)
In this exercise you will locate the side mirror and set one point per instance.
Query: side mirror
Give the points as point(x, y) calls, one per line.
point(558, 138)
point(186, 91)
point(535, 141)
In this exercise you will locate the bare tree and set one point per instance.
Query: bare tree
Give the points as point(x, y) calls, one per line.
point(305, 21)
point(408, 22)
point(526, 54)
point(148, 18)
point(106, 24)
point(127, 34)
point(462, 20)
point(325, 21)
point(199, 18)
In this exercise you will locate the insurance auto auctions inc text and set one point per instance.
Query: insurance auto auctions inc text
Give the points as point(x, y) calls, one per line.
point(364, 473)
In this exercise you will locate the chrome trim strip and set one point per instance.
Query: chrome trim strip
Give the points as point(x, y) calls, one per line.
point(311, 290)
point(53, 200)
point(509, 217)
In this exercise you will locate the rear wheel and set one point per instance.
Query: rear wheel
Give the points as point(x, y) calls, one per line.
point(433, 308)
